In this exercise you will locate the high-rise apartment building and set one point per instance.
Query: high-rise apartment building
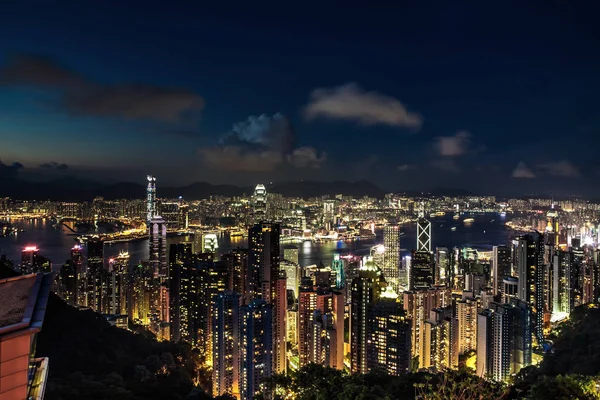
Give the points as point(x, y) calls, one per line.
point(530, 272)
point(256, 347)
point(225, 343)
point(388, 335)
point(501, 266)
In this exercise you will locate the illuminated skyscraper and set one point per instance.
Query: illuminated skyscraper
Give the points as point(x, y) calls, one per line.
point(32, 262)
point(67, 283)
point(423, 232)
point(501, 264)
point(158, 246)
point(365, 291)
point(530, 271)
point(441, 272)
point(96, 274)
point(118, 285)
point(237, 262)
point(437, 341)
point(259, 202)
point(466, 316)
point(210, 243)
point(563, 262)
point(180, 280)
point(256, 347)
point(389, 335)
point(226, 323)
point(418, 304)
point(420, 273)
point(337, 265)
point(391, 255)
point(503, 340)
point(292, 276)
point(150, 198)
point(290, 253)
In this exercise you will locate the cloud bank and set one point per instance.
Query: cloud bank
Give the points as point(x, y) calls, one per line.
point(350, 102)
point(522, 171)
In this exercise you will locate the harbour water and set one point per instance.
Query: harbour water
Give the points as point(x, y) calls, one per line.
point(55, 243)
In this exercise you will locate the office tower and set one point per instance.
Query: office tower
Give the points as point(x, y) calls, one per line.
point(263, 281)
point(501, 264)
point(337, 266)
point(441, 274)
point(236, 261)
point(423, 234)
point(420, 273)
point(32, 262)
point(157, 242)
point(259, 202)
point(151, 198)
point(169, 211)
point(67, 283)
point(96, 274)
point(552, 227)
point(256, 347)
point(119, 285)
point(530, 266)
point(292, 275)
point(391, 255)
point(437, 344)
point(389, 335)
point(81, 271)
point(226, 323)
point(466, 318)
point(503, 340)
point(290, 253)
point(210, 243)
point(329, 213)
point(365, 290)
point(180, 264)
point(418, 305)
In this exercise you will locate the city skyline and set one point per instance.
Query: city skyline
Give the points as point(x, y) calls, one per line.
point(442, 98)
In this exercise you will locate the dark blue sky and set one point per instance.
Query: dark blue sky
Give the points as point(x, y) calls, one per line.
point(477, 95)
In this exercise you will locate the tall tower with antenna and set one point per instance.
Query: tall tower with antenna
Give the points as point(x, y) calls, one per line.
point(423, 231)
point(151, 198)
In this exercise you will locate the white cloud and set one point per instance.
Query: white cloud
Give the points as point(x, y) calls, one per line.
point(306, 157)
point(522, 171)
point(350, 102)
point(561, 168)
point(405, 167)
point(456, 145)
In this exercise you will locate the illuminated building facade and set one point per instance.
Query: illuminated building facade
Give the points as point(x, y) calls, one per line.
point(182, 296)
point(530, 272)
point(119, 285)
point(96, 274)
point(503, 340)
point(259, 203)
point(466, 318)
point(501, 266)
point(438, 341)
point(210, 243)
point(158, 246)
point(67, 283)
point(420, 273)
point(33, 262)
point(292, 276)
point(442, 264)
point(365, 290)
point(418, 304)
point(151, 210)
point(237, 262)
point(391, 255)
point(256, 347)
point(290, 253)
point(225, 342)
point(337, 266)
point(423, 235)
point(389, 335)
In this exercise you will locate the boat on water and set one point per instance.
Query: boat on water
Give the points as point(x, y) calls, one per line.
point(456, 216)
point(440, 214)
point(453, 228)
point(432, 215)
point(469, 220)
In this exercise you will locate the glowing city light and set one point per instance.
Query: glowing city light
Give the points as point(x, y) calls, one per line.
point(30, 248)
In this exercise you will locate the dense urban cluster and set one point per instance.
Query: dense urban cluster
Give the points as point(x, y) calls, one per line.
point(256, 312)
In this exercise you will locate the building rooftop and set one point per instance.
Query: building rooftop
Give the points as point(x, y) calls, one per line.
point(24, 299)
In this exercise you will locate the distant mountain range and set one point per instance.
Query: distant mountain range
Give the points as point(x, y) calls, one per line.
point(71, 189)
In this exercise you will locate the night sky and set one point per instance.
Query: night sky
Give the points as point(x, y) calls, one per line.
point(486, 96)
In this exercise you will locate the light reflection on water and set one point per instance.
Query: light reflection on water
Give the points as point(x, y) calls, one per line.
point(487, 230)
